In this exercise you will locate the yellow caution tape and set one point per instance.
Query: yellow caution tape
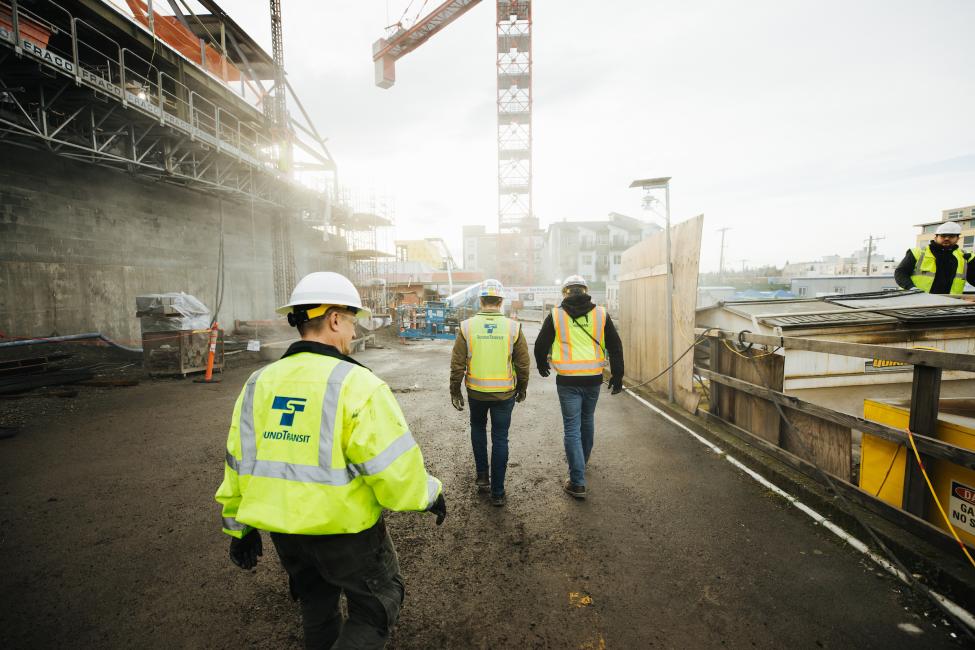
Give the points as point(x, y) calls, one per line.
point(951, 529)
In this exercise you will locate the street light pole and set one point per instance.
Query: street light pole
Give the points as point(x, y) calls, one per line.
point(648, 185)
point(670, 303)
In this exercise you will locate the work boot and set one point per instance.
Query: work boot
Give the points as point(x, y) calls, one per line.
point(483, 482)
point(498, 500)
point(573, 490)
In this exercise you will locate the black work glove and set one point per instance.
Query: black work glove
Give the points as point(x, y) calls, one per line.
point(615, 385)
point(245, 551)
point(457, 401)
point(544, 372)
point(521, 395)
point(439, 508)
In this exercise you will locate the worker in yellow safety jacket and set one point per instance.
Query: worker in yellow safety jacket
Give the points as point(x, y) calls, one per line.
point(491, 358)
point(575, 339)
point(318, 447)
point(939, 267)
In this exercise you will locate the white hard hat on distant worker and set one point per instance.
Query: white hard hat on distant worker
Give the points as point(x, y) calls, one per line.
point(491, 287)
point(948, 228)
point(575, 281)
point(318, 291)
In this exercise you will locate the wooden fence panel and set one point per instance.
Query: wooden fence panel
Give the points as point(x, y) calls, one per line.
point(643, 309)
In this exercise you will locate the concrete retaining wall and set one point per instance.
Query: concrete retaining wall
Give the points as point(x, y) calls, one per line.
point(79, 242)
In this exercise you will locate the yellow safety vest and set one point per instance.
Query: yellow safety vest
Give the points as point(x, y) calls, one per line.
point(490, 340)
point(579, 347)
point(927, 264)
point(313, 456)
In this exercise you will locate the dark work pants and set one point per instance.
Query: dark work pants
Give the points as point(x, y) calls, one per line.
point(500, 412)
point(364, 566)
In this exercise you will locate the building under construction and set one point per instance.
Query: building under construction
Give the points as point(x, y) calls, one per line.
point(151, 152)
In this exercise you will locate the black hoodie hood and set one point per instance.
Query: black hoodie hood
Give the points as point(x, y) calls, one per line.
point(942, 251)
point(578, 305)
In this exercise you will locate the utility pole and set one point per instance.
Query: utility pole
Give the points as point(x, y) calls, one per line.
point(870, 240)
point(721, 255)
point(743, 263)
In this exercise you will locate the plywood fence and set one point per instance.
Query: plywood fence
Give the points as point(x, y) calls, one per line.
point(643, 309)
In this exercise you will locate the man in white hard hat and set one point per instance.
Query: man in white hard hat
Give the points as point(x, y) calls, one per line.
point(317, 448)
point(575, 339)
point(939, 267)
point(491, 358)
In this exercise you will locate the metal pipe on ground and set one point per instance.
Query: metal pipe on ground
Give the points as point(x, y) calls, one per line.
point(70, 337)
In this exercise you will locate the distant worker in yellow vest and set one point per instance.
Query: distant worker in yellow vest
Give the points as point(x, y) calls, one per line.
point(575, 339)
point(318, 447)
point(939, 267)
point(491, 358)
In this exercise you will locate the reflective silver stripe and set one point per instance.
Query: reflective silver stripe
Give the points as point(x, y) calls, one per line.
point(248, 441)
point(302, 473)
point(232, 524)
point(386, 457)
point(920, 259)
point(433, 490)
point(491, 383)
point(599, 328)
point(233, 463)
point(559, 316)
point(589, 364)
point(330, 409)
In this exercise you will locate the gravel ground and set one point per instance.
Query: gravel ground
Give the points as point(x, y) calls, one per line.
point(109, 535)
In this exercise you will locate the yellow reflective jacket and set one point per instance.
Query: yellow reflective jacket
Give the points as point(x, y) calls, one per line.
point(490, 340)
point(319, 446)
point(926, 267)
point(579, 347)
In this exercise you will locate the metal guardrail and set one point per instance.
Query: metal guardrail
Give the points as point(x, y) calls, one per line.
point(137, 83)
point(925, 394)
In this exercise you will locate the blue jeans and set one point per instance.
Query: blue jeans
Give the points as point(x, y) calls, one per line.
point(578, 424)
point(500, 422)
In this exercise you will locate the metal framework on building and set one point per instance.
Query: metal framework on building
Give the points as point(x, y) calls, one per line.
point(94, 85)
point(516, 220)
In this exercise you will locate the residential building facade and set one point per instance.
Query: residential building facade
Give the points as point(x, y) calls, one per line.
point(964, 217)
point(592, 249)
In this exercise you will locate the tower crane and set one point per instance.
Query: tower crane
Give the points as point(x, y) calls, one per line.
point(517, 225)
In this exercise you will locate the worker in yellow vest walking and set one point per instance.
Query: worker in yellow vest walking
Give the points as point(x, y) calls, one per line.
point(575, 339)
point(491, 358)
point(939, 267)
point(318, 447)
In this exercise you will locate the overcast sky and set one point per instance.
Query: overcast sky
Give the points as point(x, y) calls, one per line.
point(803, 126)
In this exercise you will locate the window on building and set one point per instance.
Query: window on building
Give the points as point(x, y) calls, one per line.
point(602, 240)
point(802, 291)
point(930, 228)
point(955, 214)
point(617, 259)
point(839, 289)
point(968, 242)
point(587, 259)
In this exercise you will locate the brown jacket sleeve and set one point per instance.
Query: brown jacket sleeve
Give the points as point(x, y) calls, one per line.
point(458, 364)
point(521, 360)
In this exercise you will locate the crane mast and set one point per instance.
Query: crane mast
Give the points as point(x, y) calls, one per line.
point(517, 226)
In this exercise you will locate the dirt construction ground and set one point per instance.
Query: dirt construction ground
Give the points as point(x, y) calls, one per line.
point(110, 538)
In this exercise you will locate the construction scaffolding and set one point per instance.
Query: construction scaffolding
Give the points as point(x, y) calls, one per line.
point(365, 223)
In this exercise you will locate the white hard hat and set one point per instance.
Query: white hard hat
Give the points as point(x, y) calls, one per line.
point(575, 281)
point(326, 288)
point(491, 287)
point(948, 228)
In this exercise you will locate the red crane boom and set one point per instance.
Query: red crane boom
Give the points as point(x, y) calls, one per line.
point(385, 52)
